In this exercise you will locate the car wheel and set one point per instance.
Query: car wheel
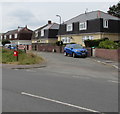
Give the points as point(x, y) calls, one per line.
point(74, 55)
point(65, 54)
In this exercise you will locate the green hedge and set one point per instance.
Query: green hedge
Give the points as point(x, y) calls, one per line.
point(108, 44)
point(94, 43)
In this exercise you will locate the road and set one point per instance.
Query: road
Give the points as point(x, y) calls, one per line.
point(66, 84)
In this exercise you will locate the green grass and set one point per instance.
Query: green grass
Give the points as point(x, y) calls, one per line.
point(23, 58)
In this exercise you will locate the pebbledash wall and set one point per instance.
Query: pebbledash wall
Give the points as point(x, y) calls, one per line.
point(111, 54)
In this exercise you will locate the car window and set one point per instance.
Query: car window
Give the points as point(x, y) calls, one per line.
point(69, 46)
point(78, 46)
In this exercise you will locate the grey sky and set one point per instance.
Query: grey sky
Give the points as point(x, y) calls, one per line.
point(36, 14)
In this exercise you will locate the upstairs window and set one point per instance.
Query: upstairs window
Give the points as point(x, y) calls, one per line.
point(83, 26)
point(1, 37)
point(4, 36)
point(10, 36)
point(36, 33)
point(69, 27)
point(105, 23)
point(42, 32)
point(16, 35)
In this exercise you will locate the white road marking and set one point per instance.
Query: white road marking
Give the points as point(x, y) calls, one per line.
point(30, 70)
point(15, 69)
point(113, 81)
point(115, 66)
point(80, 77)
point(60, 102)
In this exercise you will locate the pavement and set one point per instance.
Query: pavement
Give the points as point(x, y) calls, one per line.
point(111, 63)
point(12, 66)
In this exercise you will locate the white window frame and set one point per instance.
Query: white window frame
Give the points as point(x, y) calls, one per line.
point(66, 39)
point(15, 35)
point(82, 25)
point(5, 36)
point(105, 23)
point(10, 36)
point(69, 27)
point(42, 32)
point(87, 38)
point(1, 37)
point(36, 33)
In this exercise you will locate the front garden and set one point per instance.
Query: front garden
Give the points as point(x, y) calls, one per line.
point(7, 57)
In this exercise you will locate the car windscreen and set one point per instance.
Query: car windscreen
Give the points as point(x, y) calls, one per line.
point(77, 47)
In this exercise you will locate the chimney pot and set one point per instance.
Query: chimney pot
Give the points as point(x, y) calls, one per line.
point(49, 22)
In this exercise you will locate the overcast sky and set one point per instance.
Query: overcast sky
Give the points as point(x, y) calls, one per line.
point(36, 14)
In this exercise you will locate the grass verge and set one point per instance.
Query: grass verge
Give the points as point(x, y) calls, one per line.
point(23, 58)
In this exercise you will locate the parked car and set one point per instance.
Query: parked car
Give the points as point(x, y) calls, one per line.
point(10, 46)
point(75, 50)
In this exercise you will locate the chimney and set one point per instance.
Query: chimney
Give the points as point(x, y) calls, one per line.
point(99, 14)
point(49, 22)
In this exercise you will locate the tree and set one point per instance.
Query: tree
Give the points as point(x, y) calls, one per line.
point(5, 42)
point(115, 10)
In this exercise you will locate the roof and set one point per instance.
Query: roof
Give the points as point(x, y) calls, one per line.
point(49, 26)
point(52, 26)
point(22, 29)
point(11, 32)
point(90, 16)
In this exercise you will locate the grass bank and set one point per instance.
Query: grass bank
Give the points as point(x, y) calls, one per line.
point(23, 58)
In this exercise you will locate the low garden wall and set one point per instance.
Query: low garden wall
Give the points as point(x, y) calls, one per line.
point(52, 48)
point(111, 54)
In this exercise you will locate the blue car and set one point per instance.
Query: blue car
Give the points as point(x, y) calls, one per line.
point(75, 50)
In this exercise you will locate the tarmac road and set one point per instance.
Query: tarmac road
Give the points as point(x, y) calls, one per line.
point(66, 84)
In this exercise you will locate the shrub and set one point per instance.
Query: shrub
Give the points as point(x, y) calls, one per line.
point(59, 43)
point(5, 42)
point(108, 44)
point(94, 43)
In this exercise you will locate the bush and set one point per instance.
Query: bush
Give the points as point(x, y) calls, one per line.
point(94, 43)
point(5, 42)
point(108, 44)
point(59, 43)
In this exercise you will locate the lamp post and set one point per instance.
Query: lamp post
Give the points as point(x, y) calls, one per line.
point(60, 33)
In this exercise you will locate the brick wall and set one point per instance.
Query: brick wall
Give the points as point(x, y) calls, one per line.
point(112, 54)
point(27, 47)
point(47, 48)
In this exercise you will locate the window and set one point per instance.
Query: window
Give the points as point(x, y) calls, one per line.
point(66, 39)
point(87, 38)
point(1, 37)
point(69, 27)
point(4, 36)
point(16, 35)
point(42, 32)
point(36, 33)
point(105, 23)
point(83, 26)
point(10, 36)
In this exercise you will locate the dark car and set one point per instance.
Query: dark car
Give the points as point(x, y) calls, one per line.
point(75, 50)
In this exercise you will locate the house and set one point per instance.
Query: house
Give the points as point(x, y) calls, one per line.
point(1, 38)
point(46, 34)
point(19, 36)
point(90, 25)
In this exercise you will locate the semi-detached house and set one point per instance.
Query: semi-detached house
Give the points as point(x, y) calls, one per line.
point(46, 34)
point(90, 25)
point(19, 36)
